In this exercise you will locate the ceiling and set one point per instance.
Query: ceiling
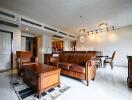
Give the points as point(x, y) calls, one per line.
point(65, 14)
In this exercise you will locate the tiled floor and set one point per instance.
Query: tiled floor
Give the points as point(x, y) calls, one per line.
point(108, 85)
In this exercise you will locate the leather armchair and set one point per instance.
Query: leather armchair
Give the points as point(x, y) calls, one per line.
point(24, 58)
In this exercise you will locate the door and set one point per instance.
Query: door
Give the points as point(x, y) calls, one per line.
point(5, 50)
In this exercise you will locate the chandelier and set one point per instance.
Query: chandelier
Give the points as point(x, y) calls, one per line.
point(103, 27)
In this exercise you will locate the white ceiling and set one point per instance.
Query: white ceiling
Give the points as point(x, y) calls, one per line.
point(65, 14)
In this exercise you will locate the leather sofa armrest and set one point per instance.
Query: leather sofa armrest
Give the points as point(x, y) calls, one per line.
point(90, 69)
point(35, 59)
point(91, 62)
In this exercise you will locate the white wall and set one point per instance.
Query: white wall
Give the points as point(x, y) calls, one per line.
point(44, 46)
point(16, 40)
point(119, 40)
point(40, 49)
point(23, 40)
point(67, 45)
point(23, 43)
point(47, 44)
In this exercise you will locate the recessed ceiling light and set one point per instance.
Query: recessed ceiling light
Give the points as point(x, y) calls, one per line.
point(27, 29)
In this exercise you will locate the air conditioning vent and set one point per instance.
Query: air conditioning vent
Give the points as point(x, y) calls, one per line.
point(8, 24)
point(63, 33)
point(7, 14)
point(72, 36)
point(56, 36)
point(30, 22)
point(51, 29)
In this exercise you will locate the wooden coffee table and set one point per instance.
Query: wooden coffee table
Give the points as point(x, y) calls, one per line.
point(41, 77)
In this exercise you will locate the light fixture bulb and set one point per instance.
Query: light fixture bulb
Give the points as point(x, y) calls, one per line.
point(82, 31)
point(82, 39)
point(27, 29)
point(103, 25)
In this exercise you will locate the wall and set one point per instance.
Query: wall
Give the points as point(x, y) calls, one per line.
point(16, 40)
point(40, 49)
point(47, 45)
point(44, 46)
point(23, 43)
point(23, 40)
point(119, 40)
point(67, 45)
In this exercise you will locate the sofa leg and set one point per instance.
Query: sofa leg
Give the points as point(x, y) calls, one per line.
point(93, 78)
point(87, 83)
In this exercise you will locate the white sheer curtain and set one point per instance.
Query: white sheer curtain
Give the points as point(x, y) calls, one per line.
point(5, 51)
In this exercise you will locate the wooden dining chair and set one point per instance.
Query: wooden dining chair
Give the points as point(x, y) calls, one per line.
point(109, 60)
point(99, 59)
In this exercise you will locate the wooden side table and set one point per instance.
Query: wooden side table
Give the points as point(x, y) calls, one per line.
point(41, 77)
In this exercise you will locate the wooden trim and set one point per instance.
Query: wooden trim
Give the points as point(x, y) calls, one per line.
point(11, 45)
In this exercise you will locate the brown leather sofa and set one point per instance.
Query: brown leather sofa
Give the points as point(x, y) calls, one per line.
point(24, 58)
point(77, 64)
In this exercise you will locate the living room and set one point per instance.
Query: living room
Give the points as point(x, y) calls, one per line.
point(77, 49)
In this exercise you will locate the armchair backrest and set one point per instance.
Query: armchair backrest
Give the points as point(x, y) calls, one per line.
point(24, 55)
point(113, 55)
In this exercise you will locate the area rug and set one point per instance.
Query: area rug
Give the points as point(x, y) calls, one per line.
point(26, 93)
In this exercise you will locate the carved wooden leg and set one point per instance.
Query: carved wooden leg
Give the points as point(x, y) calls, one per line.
point(111, 64)
point(104, 64)
point(39, 94)
point(100, 63)
point(93, 78)
point(59, 85)
point(87, 83)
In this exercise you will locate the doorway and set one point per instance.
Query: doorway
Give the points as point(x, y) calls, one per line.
point(6, 55)
point(26, 43)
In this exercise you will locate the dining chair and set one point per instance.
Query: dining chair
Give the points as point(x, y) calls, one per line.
point(99, 59)
point(110, 60)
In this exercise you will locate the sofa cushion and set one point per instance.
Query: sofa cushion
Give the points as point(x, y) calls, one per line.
point(77, 68)
point(64, 65)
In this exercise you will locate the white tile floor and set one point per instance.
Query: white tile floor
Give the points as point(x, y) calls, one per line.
point(108, 85)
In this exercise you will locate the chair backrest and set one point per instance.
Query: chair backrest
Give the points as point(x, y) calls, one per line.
point(24, 55)
point(99, 53)
point(113, 55)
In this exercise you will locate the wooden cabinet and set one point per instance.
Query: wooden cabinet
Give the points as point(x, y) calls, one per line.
point(129, 79)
